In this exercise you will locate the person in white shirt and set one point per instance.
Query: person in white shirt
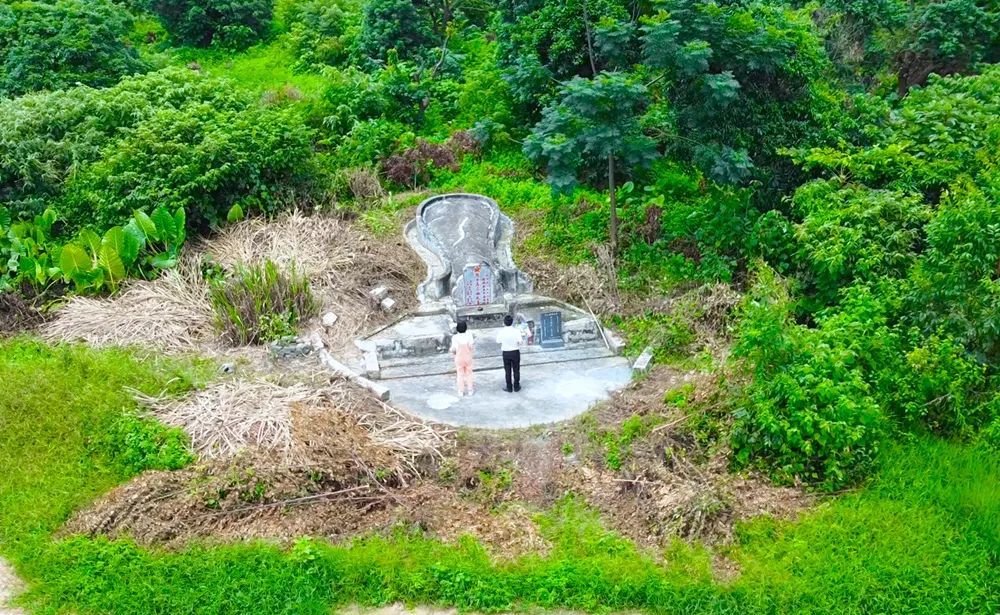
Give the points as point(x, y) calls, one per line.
point(511, 340)
point(463, 346)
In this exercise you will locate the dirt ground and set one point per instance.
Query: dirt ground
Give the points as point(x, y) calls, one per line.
point(10, 586)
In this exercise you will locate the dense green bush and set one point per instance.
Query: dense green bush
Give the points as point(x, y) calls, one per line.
point(199, 158)
point(173, 137)
point(852, 234)
point(808, 413)
point(52, 44)
point(955, 285)
point(321, 32)
point(225, 23)
point(402, 26)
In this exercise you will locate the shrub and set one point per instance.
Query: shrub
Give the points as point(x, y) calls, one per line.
point(399, 25)
point(227, 23)
point(202, 159)
point(854, 234)
point(413, 166)
point(135, 444)
point(321, 32)
point(47, 137)
point(58, 43)
point(808, 413)
point(954, 286)
point(261, 303)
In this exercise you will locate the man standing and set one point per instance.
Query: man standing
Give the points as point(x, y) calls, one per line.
point(510, 341)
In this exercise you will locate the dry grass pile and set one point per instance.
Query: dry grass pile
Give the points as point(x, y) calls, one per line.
point(292, 420)
point(581, 284)
point(348, 470)
point(171, 313)
point(658, 498)
point(236, 415)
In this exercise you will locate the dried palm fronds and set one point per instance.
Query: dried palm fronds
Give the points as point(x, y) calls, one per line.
point(171, 313)
point(236, 415)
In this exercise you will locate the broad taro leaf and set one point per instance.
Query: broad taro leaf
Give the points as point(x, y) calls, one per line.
point(147, 225)
point(92, 241)
point(165, 224)
point(74, 259)
point(112, 264)
point(135, 231)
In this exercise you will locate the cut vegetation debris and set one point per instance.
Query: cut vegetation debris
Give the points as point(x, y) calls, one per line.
point(174, 314)
point(259, 416)
point(171, 313)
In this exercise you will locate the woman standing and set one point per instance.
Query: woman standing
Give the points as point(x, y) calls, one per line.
point(463, 347)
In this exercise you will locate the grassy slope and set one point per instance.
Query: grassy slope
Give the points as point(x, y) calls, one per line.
point(923, 538)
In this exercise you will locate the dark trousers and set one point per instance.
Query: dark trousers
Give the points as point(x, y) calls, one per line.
point(512, 363)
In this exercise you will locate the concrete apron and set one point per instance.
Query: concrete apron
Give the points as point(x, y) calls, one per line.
point(550, 393)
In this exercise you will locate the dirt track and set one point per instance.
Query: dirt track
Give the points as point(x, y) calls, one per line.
point(10, 585)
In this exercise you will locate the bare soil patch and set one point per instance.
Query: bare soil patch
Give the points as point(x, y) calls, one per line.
point(18, 315)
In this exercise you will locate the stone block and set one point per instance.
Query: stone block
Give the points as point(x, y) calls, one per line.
point(615, 343)
point(372, 369)
point(378, 293)
point(329, 319)
point(580, 330)
point(645, 360)
point(388, 305)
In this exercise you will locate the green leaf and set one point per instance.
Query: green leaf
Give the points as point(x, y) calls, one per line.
point(164, 260)
point(91, 240)
point(235, 213)
point(126, 246)
point(73, 259)
point(4, 218)
point(112, 264)
point(146, 224)
point(114, 237)
point(165, 224)
point(135, 231)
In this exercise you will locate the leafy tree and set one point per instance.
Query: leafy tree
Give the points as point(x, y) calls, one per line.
point(593, 130)
point(52, 44)
point(226, 23)
point(742, 82)
point(401, 25)
point(543, 42)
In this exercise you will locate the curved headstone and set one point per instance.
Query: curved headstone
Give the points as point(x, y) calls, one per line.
point(466, 242)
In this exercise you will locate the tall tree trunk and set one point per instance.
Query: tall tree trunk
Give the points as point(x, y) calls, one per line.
point(614, 206)
point(590, 44)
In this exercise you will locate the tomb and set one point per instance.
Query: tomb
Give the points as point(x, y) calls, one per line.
point(465, 242)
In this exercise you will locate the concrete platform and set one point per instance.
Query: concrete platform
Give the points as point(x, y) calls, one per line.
point(550, 393)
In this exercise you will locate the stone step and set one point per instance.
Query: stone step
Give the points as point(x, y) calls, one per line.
point(444, 364)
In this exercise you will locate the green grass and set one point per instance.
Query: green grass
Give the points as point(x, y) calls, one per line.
point(922, 538)
point(264, 67)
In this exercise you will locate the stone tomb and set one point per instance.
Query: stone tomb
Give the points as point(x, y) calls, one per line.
point(465, 242)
